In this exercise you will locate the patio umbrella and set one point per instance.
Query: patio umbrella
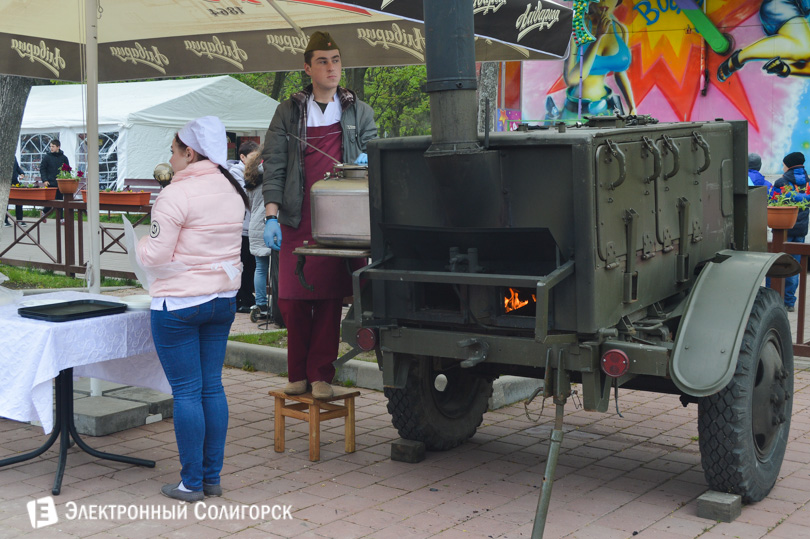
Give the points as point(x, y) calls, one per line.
point(137, 39)
point(174, 38)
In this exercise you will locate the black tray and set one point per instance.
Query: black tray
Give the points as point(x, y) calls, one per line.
point(72, 310)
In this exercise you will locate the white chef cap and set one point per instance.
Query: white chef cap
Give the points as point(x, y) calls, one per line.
point(206, 136)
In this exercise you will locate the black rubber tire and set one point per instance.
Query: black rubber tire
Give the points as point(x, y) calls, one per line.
point(743, 429)
point(441, 419)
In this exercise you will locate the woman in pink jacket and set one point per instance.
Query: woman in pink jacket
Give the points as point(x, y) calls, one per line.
point(192, 252)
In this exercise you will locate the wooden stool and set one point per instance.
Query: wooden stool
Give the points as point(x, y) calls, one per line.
point(308, 408)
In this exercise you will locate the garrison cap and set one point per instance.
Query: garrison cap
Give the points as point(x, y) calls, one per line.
point(321, 41)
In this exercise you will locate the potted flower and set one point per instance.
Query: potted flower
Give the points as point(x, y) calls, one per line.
point(784, 205)
point(67, 181)
point(30, 191)
point(121, 197)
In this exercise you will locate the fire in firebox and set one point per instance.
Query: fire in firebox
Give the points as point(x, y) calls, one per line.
point(512, 302)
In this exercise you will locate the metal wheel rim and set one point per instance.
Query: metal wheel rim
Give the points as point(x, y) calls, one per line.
point(448, 401)
point(768, 402)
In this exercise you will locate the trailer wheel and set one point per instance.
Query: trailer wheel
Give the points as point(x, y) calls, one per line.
point(743, 429)
point(442, 415)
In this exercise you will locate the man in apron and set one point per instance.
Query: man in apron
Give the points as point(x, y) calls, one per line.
point(332, 121)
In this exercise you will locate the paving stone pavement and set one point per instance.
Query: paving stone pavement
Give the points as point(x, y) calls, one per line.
point(617, 477)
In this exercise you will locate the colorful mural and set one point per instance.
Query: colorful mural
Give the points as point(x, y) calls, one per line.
point(648, 59)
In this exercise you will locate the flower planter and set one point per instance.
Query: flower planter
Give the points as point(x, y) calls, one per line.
point(67, 187)
point(782, 216)
point(121, 198)
point(33, 193)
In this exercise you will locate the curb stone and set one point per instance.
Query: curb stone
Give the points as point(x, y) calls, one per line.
point(506, 390)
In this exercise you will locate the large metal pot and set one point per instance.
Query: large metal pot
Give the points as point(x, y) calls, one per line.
point(340, 211)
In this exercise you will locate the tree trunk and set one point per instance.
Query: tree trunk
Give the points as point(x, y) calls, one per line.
point(487, 88)
point(278, 84)
point(13, 96)
point(356, 80)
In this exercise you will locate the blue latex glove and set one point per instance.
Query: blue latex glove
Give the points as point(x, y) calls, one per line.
point(272, 234)
point(362, 159)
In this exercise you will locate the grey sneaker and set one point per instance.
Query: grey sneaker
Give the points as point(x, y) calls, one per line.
point(172, 491)
point(790, 308)
point(212, 491)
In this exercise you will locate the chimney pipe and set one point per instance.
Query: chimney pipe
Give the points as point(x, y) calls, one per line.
point(468, 177)
point(451, 81)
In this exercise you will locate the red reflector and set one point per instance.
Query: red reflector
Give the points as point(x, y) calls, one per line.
point(615, 363)
point(366, 338)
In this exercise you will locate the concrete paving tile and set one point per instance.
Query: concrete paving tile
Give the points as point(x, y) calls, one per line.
point(430, 522)
point(286, 528)
point(458, 534)
point(375, 518)
point(760, 517)
point(398, 532)
point(356, 479)
point(329, 489)
point(321, 514)
point(634, 516)
point(738, 530)
point(352, 503)
point(343, 530)
point(680, 526)
point(788, 530)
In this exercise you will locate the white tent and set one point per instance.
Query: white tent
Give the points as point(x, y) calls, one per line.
point(144, 116)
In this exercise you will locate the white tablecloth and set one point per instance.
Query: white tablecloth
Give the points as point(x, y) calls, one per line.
point(117, 348)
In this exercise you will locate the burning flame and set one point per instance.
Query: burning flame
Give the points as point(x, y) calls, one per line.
point(513, 302)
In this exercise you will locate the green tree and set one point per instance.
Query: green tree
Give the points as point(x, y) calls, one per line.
point(400, 106)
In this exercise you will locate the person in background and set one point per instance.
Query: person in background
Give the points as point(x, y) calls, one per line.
point(253, 183)
point(795, 176)
point(17, 175)
point(332, 121)
point(754, 175)
point(244, 298)
point(197, 224)
point(49, 167)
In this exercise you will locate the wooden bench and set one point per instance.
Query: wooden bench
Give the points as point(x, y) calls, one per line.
point(307, 408)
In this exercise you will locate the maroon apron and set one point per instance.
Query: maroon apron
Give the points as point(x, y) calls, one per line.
point(328, 275)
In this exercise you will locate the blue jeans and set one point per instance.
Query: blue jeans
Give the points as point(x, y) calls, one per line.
point(191, 346)
point(260, 280)
point(792, 282)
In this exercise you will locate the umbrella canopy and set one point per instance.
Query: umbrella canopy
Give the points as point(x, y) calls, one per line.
point(173, 38)
point(109, 40)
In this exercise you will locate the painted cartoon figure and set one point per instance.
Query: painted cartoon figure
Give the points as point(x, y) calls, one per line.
point(786, 50)
point(609, 53)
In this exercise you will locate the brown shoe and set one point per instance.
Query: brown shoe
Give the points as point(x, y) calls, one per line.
point(296, 388)
point(322, 390)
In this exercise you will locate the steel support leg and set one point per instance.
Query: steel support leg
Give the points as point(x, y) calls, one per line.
point(548, 477)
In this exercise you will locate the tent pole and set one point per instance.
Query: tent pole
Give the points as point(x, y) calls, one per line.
point(91, 63)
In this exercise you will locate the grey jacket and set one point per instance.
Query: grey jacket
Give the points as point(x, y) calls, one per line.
point(256, 235)
point(237, 170)
point(283, 164)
